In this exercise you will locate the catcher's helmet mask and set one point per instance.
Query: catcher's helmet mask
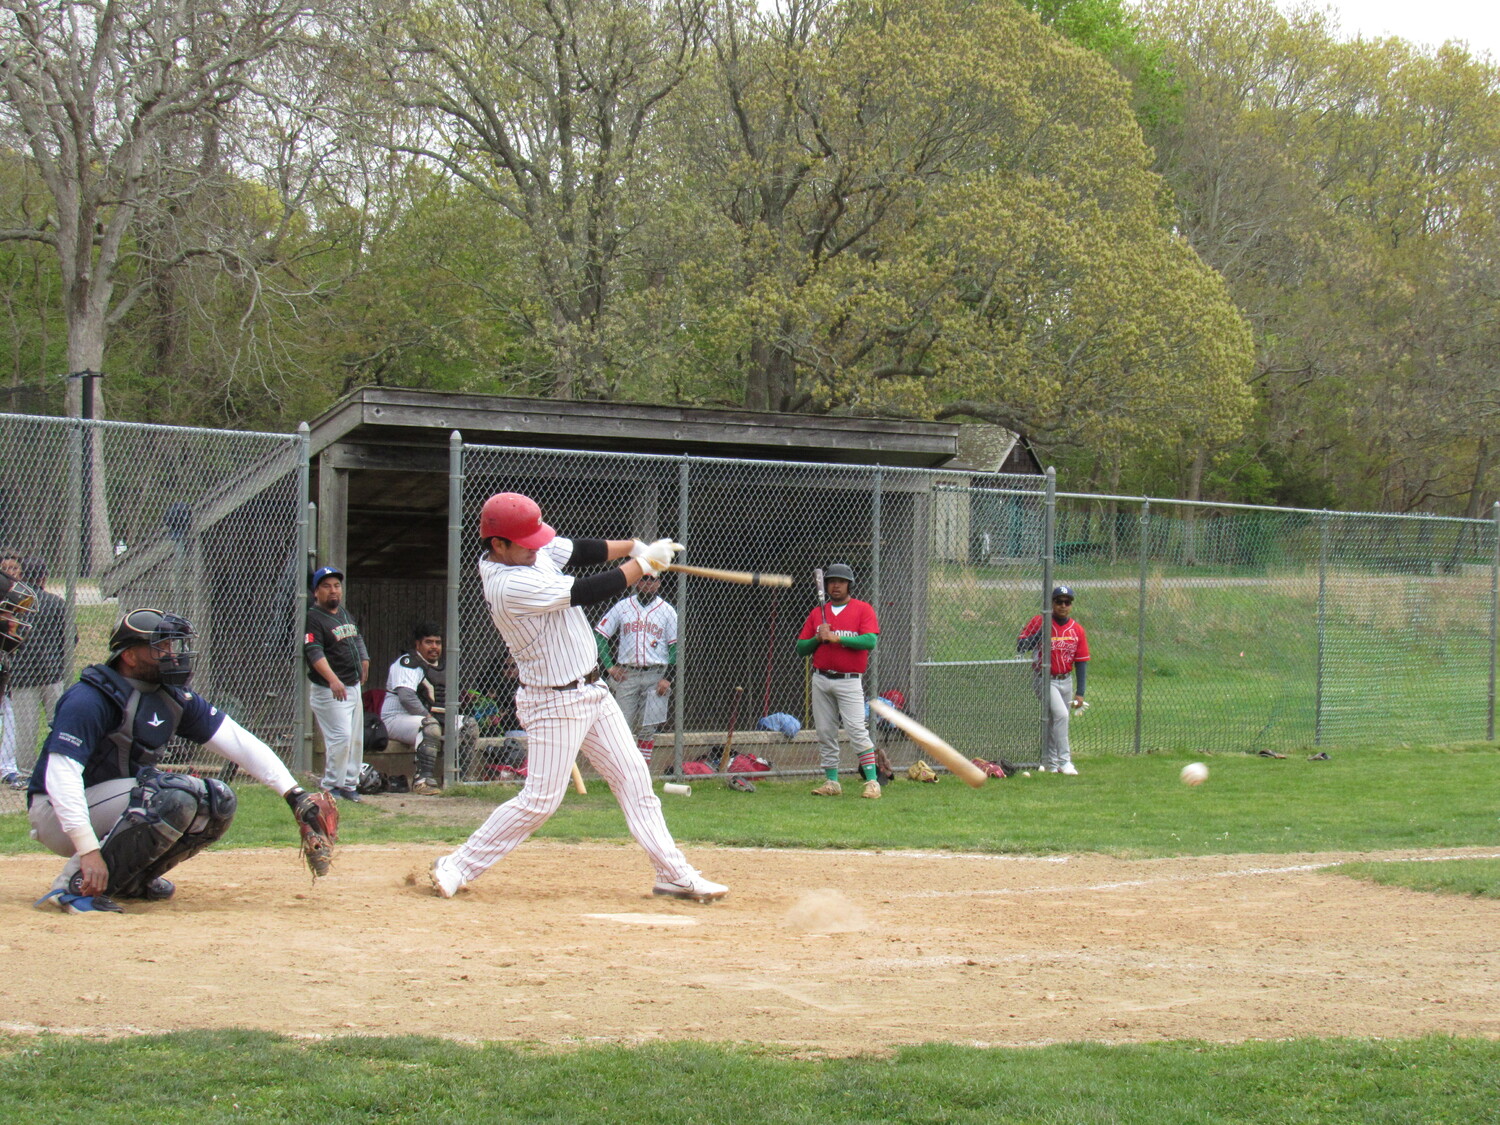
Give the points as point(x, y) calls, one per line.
point(17, 600)
point(171, 636)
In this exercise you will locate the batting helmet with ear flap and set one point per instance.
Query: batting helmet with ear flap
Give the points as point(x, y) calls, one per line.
point(839, 570)
point(16, 603)
point(170, 635)
point(512, 516)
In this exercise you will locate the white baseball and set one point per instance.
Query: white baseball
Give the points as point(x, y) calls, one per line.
point(1194, 773)
point(1025, 773)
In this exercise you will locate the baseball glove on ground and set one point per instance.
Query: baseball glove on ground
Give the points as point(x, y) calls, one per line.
point(318, 820)
point(920, 771)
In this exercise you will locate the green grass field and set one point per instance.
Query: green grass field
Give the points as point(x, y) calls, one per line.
point(244, 1076)
point(1365, 799)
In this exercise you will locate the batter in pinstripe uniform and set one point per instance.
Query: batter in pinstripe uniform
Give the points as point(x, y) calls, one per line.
point(562, 702)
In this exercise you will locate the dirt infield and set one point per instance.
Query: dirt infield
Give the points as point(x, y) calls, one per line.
point(836, 952)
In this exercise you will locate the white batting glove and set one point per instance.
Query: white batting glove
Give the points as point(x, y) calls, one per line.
point(657, 556)
point(1080, 705)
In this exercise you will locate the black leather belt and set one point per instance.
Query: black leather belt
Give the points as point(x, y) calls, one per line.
point(643, 667)
point(591, 678)
point(838, 675)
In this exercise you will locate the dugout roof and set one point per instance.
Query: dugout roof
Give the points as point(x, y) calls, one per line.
point(380, 469)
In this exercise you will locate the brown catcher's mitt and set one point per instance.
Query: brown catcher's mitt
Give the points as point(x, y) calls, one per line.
point(920, 771)
point(318, 820)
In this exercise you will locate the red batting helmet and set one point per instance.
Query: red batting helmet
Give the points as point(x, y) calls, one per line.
point(515, 517)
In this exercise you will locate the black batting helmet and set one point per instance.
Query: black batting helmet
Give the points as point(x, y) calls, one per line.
point(840, 570)
point(169, 634)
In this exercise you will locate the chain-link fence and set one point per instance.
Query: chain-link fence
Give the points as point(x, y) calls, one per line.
point(736, 656)
point(209, 524)
point(1234, 628)
point(1212, 627)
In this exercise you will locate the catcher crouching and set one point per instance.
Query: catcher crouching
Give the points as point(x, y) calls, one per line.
point(97, 797)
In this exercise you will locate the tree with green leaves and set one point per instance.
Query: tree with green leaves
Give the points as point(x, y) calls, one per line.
point(945, 210)
point(546, 108)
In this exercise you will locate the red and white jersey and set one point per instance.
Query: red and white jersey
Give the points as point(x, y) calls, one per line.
point(647, 632)
point(549, 637)
point(853, 619)
point(1070, 644)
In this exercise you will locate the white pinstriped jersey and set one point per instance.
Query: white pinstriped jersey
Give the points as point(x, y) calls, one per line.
point(550, 639)
point(647, 632)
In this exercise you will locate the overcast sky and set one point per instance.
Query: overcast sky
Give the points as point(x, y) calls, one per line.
point(1429, 22)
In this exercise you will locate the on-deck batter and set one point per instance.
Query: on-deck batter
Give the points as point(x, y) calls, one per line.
point(839, 637)
point(562, 702)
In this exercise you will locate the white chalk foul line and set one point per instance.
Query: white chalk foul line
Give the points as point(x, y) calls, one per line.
point(1189, 877)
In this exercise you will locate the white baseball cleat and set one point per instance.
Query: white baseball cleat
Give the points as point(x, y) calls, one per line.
point(695, 888)
point(1068, 768)
point(445, 877)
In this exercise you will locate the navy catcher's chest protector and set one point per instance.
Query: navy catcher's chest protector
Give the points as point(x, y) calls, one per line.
point(148, 720)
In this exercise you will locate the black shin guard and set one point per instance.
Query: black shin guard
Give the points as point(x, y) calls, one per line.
point(171, 817)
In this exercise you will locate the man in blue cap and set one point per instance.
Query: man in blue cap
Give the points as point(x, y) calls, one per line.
point(337, 665)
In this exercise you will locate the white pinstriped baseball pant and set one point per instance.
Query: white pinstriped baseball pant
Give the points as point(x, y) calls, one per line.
point(558, 725)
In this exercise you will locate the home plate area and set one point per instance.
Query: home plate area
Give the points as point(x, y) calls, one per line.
point(840, 952)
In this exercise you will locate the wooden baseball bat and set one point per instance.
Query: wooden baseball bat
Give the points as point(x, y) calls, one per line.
point(578, 784)
point(739, 577)
point(734, 714)
point(956, 763)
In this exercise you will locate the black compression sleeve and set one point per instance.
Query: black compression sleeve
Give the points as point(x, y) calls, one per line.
point(593, 588)
point(589, 552)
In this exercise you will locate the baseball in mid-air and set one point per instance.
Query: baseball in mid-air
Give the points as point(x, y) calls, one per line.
point(1194, 773)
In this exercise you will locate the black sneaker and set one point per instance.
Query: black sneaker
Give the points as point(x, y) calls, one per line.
point(159, 890)
point(350, 795)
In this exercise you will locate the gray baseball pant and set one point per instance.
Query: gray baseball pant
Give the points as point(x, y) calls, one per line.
point(1059, 696)
point(343, 727)
point(835, 703)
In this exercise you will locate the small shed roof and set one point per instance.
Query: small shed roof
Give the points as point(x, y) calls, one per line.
point(398, 416)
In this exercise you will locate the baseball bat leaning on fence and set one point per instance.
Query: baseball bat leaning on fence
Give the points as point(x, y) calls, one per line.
point(956, 763)
point(578, 784)
point(739, 577)
point(734, 714)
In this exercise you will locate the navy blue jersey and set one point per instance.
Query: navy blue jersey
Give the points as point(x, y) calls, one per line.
point(87, 716)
